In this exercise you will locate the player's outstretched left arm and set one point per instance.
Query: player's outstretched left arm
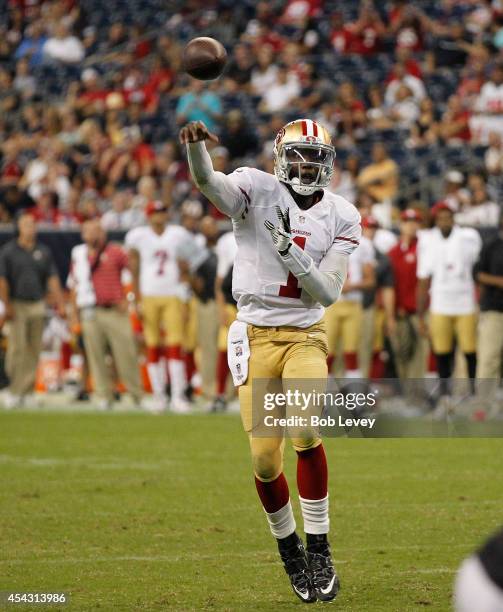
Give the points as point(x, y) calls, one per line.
point(323, 283)
point(216, 186)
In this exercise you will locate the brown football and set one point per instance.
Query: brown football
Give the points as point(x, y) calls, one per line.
point(204, 58)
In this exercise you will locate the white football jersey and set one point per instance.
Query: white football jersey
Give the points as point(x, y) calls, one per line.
point(226, 249)
point(159, 274)
point(449, 262)
point(267, 293)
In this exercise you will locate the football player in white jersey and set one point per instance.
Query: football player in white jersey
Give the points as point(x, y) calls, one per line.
point(293, 240)
point(225, 249)
point(153, 252)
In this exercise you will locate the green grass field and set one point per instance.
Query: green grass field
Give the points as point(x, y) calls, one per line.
point(134, 512)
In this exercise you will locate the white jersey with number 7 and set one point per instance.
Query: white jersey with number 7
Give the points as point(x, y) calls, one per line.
point(159, 274)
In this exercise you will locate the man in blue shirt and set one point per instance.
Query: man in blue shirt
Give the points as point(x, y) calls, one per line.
point(32, 44)
point(199, 105)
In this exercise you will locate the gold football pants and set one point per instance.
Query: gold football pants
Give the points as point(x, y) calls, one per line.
point(293, 355)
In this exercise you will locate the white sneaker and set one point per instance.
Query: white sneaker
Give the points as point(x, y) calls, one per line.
point(234, 407)
point(180, 406)
point(104, 405)
point(11, 401)
point(32, 400)
point(155, 404)
point(444, 409)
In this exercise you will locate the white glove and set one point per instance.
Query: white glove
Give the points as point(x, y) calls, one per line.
point(281, 234)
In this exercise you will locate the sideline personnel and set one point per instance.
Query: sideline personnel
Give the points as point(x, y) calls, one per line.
point(27, 275)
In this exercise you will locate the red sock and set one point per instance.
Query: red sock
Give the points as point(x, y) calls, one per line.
point(153, 354)
point(273, 495)
point(222, 371)
point(312, 473)
point(173, 352)
point(66, 355)
point(351, 361)
point(432, 362)
point(330, 362)
point(377, 368)
point(190, 365)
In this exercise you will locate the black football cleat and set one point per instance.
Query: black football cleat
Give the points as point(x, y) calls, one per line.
point(325, 580)
point(294, 560)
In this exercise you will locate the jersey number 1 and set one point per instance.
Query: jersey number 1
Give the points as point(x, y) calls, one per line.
point(292, 289)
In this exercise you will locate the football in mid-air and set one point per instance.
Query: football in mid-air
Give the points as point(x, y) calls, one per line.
point(204, 58)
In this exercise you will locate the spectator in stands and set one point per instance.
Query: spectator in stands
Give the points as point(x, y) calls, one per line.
point(455, 194)
point(380, 178)
point(490, 100)
point(425, 130)
point(400, 78)
point(63, 47)
point(405, 110)
point(191, 213)
point(11, 171)
point(344, 181)
point(472, 79)
point(239, 69)
point(100, 307)
point(350, 113)
point(9, 96)
point(312, 93)
point(46, 209)
point(407, 26)
point(367, 31)
point(493, 157)
point(297, 12)
point(236, 137)
point(147, 191)
point(24, 83)
point(480, 210)
point(489, 274)
point(281, 92)
point(450, 44)
point(264, 75)
point(199, 104)
point(28, 277)
point(454, 128)
point(69, 134)
point(340, 36)
point(115, 44)
point(32, 45)
point(266, 36)
point(90, 40)
point(89, 206)
point(377, 112)
point(446, 256)
point(121, 216)
point(14, 199)
point(91, 99)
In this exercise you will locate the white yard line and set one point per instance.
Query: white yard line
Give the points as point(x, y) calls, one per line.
point(237, 555)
